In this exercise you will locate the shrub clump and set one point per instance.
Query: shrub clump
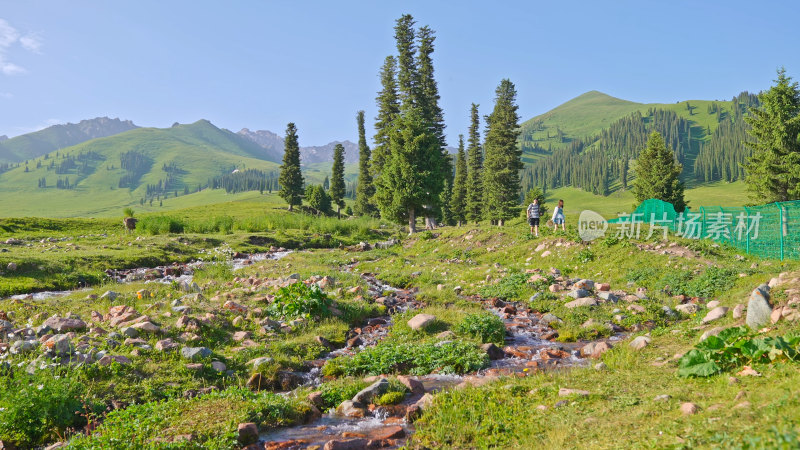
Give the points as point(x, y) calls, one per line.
point(37, 409)
point(510, 287)
point(337, 391)
point(416, 359)
point(299, 300)
point(390, 398)
point(486, 327)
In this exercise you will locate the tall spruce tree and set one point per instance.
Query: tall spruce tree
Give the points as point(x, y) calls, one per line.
point(365, 189)
point(445, 199)
point(458, 199)
point(400, 190)
point(416, 139)
point(657, 174)
point(503, 163)
point(407, 72)
point(291, 178)
point(773, 171)
point(388, 108)
point(474, 196)
point(337, 179)
point(439, 159)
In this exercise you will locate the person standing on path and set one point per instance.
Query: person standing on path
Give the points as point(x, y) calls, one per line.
point(558, 216)
point(533, 216)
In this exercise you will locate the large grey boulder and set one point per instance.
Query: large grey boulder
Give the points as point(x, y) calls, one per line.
point(372, 391)
point(758, 308)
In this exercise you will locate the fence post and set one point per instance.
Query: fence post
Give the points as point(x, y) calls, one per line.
point(780, 208)
point(703, 223)
point(747, 229)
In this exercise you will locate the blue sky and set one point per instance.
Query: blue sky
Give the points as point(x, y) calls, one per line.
point(261, 64)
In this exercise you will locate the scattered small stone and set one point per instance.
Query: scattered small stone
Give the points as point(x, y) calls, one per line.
point(242, 335)
point(712, 332)
point(446, 335)
point(776, 315)
point(421, 321)
point(579, 293)
point(640, 342)
point(564, 392)
point(636, 309)
point(549, 318)
point(581, 302)
point(493, 351)
point(108, 359)
point(715, 314)
point(111, 295)
point(688, 408)
point(218, 366)
point(350, 408)
point(166, 345)
point(263, 361)
point(749, 372)
point(687, 308)
point(415, 386)
point(247, 434)
point(712, 304)
point(662, 398)
point(195, 353)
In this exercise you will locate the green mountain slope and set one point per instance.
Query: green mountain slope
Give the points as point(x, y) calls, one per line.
point(590, 141)
point(32, 145)
point(181, 159)
point(584, 115)
point(588, 114)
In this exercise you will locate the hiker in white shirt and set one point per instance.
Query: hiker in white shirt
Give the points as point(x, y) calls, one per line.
point(558, 216)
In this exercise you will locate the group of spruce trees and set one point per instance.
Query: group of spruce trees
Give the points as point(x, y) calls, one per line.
point(409, 174)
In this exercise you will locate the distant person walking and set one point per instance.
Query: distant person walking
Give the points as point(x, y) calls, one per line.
point(558, 216)
point(533, 216)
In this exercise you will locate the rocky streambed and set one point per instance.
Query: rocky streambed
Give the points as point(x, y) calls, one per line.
point(359, 423)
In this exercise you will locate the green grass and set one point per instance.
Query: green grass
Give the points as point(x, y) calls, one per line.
point(711, 194)
point(481, 259)
point(212, 419)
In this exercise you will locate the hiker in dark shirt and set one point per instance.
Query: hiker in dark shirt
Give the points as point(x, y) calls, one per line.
point(533, 216)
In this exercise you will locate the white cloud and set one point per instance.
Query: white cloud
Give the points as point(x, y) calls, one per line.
point(9, 36)
point(9, 68)
point(31, 42)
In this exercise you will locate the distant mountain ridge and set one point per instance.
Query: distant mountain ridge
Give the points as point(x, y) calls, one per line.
point(273, 144)
point(38, 143)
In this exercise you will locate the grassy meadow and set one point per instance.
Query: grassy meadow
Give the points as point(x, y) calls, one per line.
point(148, 397)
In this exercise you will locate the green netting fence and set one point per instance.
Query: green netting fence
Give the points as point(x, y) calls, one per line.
point(768, 231)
